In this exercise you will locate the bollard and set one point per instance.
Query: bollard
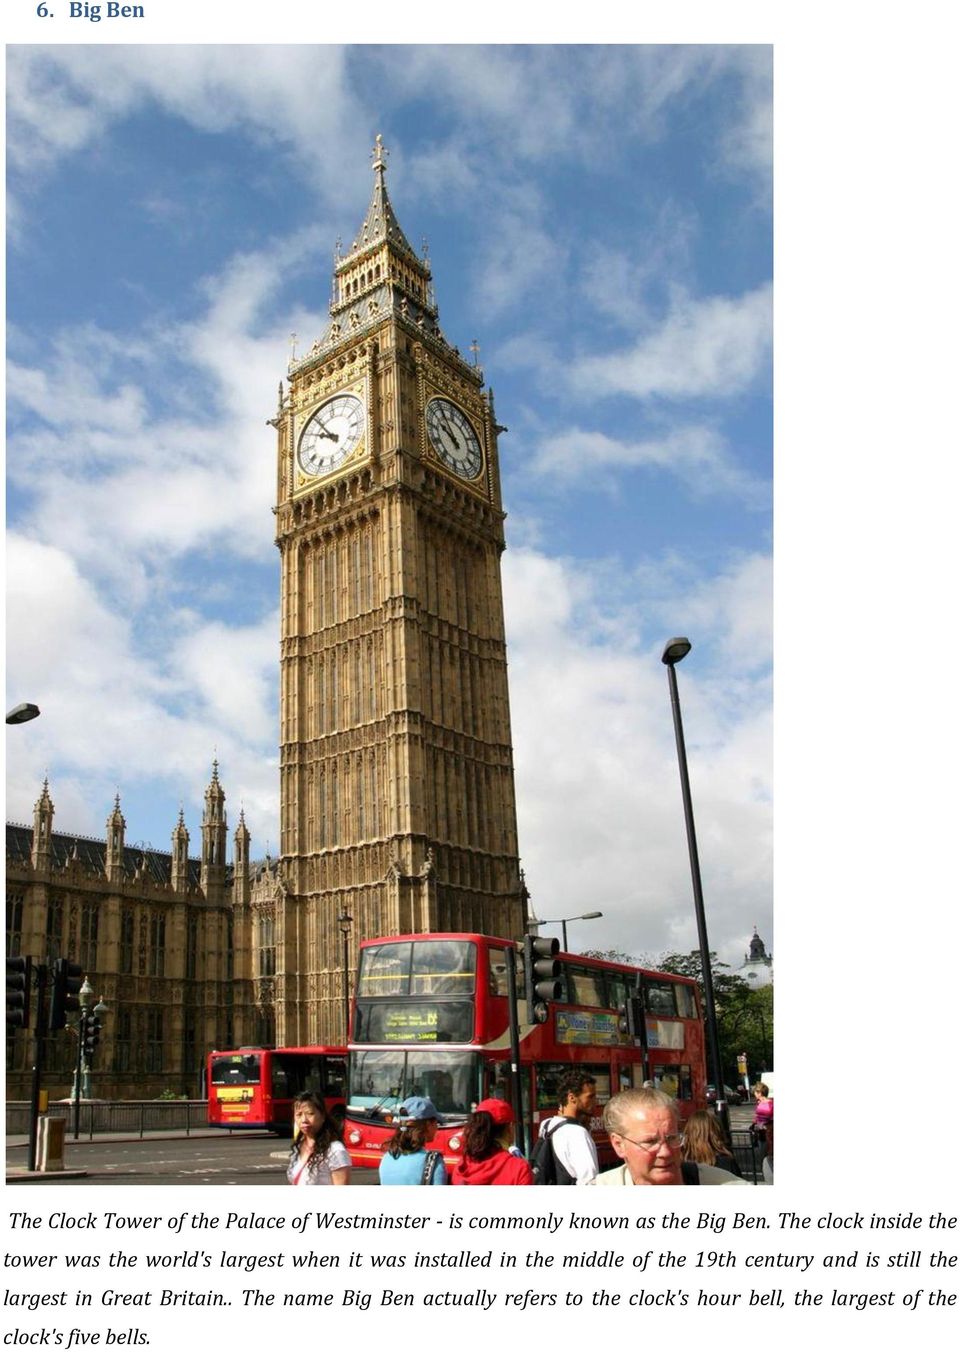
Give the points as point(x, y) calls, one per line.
point(52, 1131)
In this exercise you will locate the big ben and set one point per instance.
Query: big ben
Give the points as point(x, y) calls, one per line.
point(398, 810)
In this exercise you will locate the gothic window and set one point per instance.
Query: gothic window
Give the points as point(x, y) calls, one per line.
point(361, 801)
point(126, 941)
point(54, 928)
point(158, 935)
point(266, 940)
point(322, 809)
point(122, 1041)
point(229, 963)
point(321, 697)
point(89, 926)
point(357, 684)
point(334, 807)
point(14, 923)
point(193, 932)
point(154, 1040)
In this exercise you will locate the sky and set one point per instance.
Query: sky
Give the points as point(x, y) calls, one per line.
point(599, 220)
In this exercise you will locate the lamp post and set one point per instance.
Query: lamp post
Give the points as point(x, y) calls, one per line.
point(345, 922)
point(587, 915)
point(100, 1010)
point(81, 1075)
point(675, 651)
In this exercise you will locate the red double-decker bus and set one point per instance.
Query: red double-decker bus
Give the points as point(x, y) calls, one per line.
point(254, 1087)
point(431, 1017)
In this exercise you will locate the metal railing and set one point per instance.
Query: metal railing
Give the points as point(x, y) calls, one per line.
point(748, 1153)
point(131, 1117)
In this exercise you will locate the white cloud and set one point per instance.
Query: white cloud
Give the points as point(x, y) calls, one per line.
point(709, 348)
point(601, 819)
point(697, 454)
point(113, 717)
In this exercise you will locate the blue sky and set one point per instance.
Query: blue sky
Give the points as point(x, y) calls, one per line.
point(599, 220)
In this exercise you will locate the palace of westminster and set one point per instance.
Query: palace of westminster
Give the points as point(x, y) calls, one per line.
point(397, 804)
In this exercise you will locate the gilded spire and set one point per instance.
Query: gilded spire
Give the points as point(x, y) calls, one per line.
point(380, 225)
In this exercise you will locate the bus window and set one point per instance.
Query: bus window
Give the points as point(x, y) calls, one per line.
point(443, 967)
point(497, 979)
point(619, 990)
point(336, 1086)
point(548, 1078)
point(385, 970)
point(658, 997)
point(674, 1080)
point(686, 1004)
point(585, 987)
point(235, 1070)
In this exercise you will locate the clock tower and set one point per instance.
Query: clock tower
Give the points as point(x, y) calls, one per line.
point(397, 798)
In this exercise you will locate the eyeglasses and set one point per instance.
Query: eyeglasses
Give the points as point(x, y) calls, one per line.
point(653, 1147)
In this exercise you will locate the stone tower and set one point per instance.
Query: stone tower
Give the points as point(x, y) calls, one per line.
point(397, 792)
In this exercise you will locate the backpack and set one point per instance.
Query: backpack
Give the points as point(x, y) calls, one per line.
point(546, 1167)
point(430, 1165)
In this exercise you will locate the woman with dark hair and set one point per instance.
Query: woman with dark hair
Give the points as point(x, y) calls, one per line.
point(317, 1156)
point(406, 1157)
point(487, 1139)
point(704, 1143)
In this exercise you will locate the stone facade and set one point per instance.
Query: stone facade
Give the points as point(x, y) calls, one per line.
point(163, 938)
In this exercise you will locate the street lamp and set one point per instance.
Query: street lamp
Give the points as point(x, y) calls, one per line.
point(81, 1077)
point(22, 713)
point(674, 652)
point(587, 915)
point(345, 922)
point(85, 998)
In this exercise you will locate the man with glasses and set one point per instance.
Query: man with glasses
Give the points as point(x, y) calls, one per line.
point(644, 1128)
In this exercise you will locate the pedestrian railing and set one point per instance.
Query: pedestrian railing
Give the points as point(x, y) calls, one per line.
point(129, 1117)
point(749, 1155)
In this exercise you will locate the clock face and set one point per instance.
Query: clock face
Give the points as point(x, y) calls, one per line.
point(453, 438)
point(331, 435)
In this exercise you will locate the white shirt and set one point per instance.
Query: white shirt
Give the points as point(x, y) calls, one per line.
point(573, 1146)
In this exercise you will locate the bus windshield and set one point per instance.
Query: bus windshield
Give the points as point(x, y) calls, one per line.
point(383, 1079)
point(235, 1069)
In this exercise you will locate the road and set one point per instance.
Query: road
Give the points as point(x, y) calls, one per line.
point(256, 1159)
point(221, 1159)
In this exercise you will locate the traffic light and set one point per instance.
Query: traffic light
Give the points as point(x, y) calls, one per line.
point(89, 1034)
point(18, 992)
point(65, 997)
point(541, 973)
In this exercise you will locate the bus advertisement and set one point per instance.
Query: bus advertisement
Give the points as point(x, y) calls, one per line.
point(431, 1017)
point(253, 1088)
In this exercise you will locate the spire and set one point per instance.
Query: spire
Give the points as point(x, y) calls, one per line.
point(116, 827)
point(380, 225)
point(179, 856)
point(42, 827)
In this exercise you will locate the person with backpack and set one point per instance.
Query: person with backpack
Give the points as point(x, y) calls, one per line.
point(644, 1127)
point(565, 1152)
point(406, 1158)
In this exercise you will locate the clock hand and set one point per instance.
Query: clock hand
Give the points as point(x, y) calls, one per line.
point(451, 434)
point(324, 432)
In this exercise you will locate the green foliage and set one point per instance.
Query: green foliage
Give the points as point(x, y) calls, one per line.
point(744, 1013)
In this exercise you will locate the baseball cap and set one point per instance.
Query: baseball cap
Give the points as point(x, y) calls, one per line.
point(499, 1110)
point(416, 1110)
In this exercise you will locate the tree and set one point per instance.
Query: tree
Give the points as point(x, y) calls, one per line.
point(744, 1013)
point(617, 955)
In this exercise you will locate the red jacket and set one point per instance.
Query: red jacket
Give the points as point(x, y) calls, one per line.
point(500, 1167)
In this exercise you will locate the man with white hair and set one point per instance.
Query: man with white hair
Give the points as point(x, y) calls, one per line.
point(644, 1128)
